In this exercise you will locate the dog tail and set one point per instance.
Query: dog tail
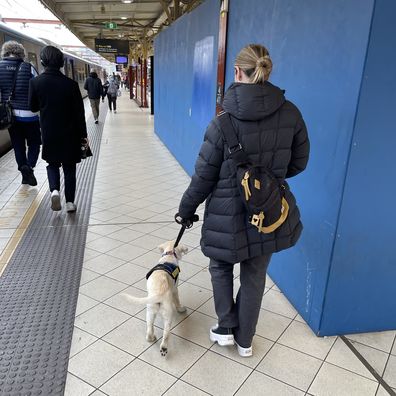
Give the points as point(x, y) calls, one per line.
point(144, 300)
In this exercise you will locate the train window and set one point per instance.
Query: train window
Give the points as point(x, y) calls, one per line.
point(32, 58)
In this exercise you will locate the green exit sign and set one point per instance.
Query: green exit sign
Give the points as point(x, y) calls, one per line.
point(110, 25)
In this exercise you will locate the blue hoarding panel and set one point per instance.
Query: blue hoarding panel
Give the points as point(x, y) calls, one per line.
point(185, 81)
point(361, 290)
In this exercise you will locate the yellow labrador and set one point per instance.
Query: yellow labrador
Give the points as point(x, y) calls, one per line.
point(163, 296)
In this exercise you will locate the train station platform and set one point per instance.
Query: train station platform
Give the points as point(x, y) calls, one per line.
point(136, 188)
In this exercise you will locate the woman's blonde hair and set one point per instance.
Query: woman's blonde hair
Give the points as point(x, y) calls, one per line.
point(255, 62)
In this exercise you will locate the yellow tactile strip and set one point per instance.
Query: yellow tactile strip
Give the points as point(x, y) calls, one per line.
point(12, 244)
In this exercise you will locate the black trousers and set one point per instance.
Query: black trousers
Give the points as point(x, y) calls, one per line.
point(240, 315)
point(112, 100)
point(22, 133)
point(69, 173)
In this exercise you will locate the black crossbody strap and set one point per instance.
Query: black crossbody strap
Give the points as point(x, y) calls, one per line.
point(234, 147)
point(14, 81)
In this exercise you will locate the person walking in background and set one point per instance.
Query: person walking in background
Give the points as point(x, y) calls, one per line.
point(25, 128)
point(272, 134)
point(62, 122)
point(112, 91)
point(105, 87)
point(94, 87)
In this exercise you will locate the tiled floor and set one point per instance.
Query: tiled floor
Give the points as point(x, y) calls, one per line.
point(137, 190)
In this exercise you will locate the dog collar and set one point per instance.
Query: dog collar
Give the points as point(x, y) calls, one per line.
point(170, 253)
point(172, 269)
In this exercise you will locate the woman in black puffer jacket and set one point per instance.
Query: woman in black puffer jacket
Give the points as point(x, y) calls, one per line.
point(273, 134)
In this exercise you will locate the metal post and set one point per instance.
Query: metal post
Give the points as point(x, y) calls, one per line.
point(221, 54)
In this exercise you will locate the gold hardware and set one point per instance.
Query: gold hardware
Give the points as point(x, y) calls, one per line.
point(257, 184)
point(257, 220)
point(245, 184)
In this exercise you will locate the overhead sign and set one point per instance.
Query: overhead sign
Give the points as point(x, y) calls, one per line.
point(108, 46)
point(121, 59)
point(110, 25)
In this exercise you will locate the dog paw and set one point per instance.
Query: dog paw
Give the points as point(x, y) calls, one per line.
point(151, 338)
point(181, 309)
point(164, 351)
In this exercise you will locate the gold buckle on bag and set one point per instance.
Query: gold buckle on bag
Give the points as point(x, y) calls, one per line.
point(258, 220)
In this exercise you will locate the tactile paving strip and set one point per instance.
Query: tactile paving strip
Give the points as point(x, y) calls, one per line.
point(39, 290)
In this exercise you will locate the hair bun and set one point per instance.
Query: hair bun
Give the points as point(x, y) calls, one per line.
point(263, 61)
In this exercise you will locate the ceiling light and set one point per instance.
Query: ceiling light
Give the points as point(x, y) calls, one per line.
point(127, 1)
point(124, 18)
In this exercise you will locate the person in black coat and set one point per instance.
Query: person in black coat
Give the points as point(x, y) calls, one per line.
point(62, 121)
point(95, 90)
point(273, 134)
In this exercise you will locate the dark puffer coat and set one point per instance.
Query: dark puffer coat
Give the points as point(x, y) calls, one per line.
point(62, 117)
point(94, 86)
point(272, 133)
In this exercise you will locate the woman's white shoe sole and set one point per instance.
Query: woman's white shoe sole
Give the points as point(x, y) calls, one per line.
point(222, 339)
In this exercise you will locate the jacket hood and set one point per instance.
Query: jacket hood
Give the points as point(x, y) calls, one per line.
point(252, 102)
point(93, 75)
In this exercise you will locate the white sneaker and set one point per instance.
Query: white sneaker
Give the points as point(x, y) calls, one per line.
point(115, 111)
point(244, 352)
point(221, 339)
point(55, 201)
point(71, 207)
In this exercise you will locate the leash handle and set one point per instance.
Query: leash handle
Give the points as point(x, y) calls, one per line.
point(185, 224)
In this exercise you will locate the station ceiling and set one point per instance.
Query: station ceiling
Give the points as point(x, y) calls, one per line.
point(137, 20)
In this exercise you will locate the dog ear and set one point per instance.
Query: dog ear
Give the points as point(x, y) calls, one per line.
point(181, 249)
point(162, 247)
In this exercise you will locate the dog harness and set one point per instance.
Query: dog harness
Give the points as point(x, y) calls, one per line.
point(172, 269)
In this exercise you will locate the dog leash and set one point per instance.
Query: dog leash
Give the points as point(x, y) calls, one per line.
point(185, 224)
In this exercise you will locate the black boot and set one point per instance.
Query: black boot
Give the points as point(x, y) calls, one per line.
point(28, 176)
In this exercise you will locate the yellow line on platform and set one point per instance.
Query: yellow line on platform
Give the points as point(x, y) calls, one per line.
point(12, 244)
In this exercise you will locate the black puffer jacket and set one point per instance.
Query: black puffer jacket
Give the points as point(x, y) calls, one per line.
point(272, 133)
point(94, 86)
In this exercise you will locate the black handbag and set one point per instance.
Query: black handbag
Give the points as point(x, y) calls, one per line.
point(85, 149)
point(262, 193)
point(6, 117)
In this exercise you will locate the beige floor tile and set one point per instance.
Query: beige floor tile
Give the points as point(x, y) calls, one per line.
point(103, 229)
point(276, 302)
point(195, 328)
point(103, 263)
point(196, 257)
point(104, 244)
point(340, 355)
point(148, 260)
point(289, 366)
point(87, 276)
point(381, 340)
point(332, 380)
point(131, 336)
point(390, 372)
point(187, 270)
point(75, 387)
point(260, 345)
point(383, 392)
point(90, 254)
point(301, 337)
point(271, 325)
point(98, 362)
point(127, 252)
point(182, 354)
point(181, 388)
point(80, 340)
point(202, 279)
point(125, 235)
point(128, 273)
point(208, 309)
point(193, 296)
point(84, 303)
point(98, 393)
point(120, 302)
point(393, 352)
point(102, 288)
point(148, 242)
point(103, 216)
point(261, 385)
point(146, 228)
point(207, 373)
point(128, 383)
point(100, 320)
